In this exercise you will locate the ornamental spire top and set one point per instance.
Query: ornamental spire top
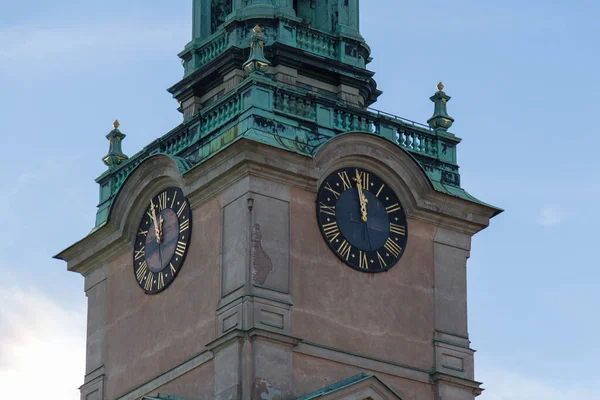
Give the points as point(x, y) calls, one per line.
point(115, 154)
point(440, 121)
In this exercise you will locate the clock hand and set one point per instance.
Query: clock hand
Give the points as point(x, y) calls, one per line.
point(156, 227)
point(368, 237)
point(160, 227)
point(361, 197)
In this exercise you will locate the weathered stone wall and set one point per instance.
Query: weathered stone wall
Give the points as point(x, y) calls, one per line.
point(149, 335)
point(389, 315)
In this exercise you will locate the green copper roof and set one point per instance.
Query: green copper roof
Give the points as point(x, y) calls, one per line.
point(293, 116)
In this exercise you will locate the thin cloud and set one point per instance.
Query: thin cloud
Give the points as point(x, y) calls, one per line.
point(550, 216)
point(40, 47)
point(40, 340)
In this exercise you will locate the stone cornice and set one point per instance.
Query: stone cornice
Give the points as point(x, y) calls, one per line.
point(248, 158)
point(458, 382)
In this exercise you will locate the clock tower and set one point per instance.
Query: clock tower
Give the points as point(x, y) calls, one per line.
point(284, 241)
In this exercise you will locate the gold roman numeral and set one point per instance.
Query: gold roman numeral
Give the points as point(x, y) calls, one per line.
point(141, 272)
point(184, 226)
point(365, 179)
point(181, 209)
point(162, 200)
point(325, 209)
point(139, 254)
point(398, 229)
point(363, 260)
point(393, 208)
point(180, 250)
point(161, 281)
point(149, 281)
point(173, 270)
point(346, 182)
point(328, 187)
point(344, 249)
point(173, 201)
point(331, 231)
point(380, 190)
point(143, 232)
point(393, 247)
point(381, 261)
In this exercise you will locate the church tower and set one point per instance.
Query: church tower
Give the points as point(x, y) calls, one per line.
point(284, 241)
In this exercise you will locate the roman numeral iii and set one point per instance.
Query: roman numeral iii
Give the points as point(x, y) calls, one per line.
point(398, 229)
point(180, 249)
point(393, 208)
point(184, 226)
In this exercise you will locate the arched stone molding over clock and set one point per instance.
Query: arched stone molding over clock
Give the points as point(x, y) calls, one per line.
point(152, 175)
point(395, 166)
point(406, 176)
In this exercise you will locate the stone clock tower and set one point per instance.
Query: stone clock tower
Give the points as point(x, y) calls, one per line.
point(284, 241)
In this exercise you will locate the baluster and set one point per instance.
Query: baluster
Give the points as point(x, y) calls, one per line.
point(408, 141)
point(421, 144)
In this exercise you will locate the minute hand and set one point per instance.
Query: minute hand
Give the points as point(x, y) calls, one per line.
point(361, 197)
point(157, 228)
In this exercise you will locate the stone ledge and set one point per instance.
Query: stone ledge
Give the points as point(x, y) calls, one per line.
point(363, 362)
point(439, 378)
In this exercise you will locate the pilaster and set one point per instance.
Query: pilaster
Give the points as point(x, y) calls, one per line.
point(255, 291)
point(454, 358)
point(95, 290)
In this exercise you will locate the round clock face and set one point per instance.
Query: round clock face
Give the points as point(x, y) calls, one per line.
point(162, 240)
point(362, 220)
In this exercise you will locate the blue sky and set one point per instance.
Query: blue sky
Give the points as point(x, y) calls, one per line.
point(524, 82)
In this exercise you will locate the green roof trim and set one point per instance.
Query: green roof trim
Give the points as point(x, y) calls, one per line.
point(161, 396)
point(353, 380)
point(462, 194)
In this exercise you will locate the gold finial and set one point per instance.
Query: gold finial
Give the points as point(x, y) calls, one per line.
point(440, 86)
point(116, 124)
point(257, 29)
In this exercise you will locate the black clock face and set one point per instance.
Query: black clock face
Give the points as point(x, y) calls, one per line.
point(162, 240)
point(362, 220)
